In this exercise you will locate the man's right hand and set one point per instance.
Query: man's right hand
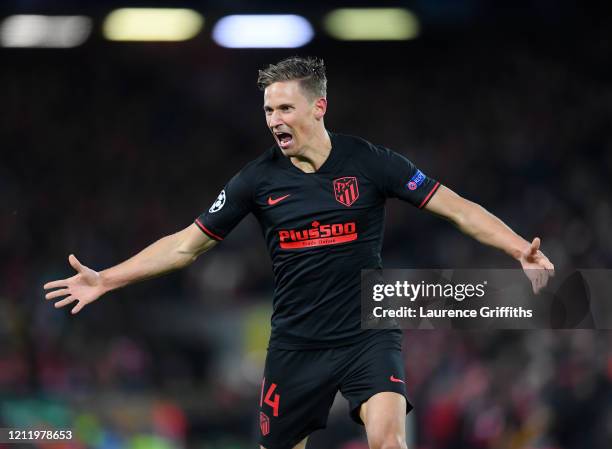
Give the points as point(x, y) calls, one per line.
point(167, 254)
point(85, 287)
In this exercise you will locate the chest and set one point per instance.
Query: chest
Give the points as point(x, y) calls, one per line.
point(293, 199)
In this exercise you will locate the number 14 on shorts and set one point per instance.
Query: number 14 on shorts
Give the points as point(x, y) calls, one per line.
point(268, 399)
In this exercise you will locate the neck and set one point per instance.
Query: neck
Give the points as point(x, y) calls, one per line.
point(314, 154)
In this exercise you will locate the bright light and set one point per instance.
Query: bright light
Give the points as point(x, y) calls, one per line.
point(263, 31)
point(371, 24)
point(152, 24)
point(44, 31)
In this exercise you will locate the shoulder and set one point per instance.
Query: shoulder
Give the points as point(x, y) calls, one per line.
point(259, 166)
point(360, 148)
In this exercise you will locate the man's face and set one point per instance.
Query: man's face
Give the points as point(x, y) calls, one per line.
point(291, 116)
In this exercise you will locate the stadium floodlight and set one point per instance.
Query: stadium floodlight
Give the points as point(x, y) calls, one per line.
point(263, 31)
point(44, 31)
point(152, 24)
point(371, 24)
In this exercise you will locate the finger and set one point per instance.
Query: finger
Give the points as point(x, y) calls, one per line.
point(75, 263)
point(65, 302)
point(545, 277)
point(55, 284)
point(544, 261)
point(536, 285)
point(539, 281)
point(57, 293)
point(78, 307)
point(535, 246)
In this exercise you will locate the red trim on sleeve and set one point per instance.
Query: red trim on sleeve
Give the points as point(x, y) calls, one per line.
point(207, 231)
point(429, 195)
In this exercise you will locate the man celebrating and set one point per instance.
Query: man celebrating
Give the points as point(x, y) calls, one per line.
point(319, 198)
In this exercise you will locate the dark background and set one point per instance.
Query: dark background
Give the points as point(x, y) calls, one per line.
point(109, 146)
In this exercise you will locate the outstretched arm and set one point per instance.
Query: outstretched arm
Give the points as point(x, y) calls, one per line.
point(473, 220)
point(165, 255)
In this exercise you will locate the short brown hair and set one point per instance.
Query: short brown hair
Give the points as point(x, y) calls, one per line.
point(310, 72)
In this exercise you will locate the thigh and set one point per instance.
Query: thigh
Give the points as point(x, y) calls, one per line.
point(297, 392)
point(384, 416)
point(375, 367)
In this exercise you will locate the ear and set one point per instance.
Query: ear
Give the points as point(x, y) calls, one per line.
point(320, 107)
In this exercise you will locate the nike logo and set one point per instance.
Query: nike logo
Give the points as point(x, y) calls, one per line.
point(395, 379)
point(273, 201)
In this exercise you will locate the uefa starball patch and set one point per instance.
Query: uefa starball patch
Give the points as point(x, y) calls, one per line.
point(416, 181)
point(219, 203)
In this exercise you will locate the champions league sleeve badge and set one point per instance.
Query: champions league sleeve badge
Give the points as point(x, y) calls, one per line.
point(219, 203)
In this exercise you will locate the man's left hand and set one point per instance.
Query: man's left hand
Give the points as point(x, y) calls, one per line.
point(536, 265)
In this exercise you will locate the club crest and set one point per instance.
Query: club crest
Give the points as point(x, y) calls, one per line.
point(264, 423)
point(346, 190)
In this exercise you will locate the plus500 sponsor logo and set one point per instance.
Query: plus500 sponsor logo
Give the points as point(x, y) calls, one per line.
point(318, 235)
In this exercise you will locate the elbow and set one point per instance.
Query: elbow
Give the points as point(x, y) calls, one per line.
point(466, 216)
point(188, 244)
point(184, 258)
point(452, 207)
point(182, 254)
point(187, 253)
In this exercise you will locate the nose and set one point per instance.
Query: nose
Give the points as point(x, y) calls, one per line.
point(275, 119)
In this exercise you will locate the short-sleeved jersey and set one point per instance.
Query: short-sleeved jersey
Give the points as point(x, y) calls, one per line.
point(321, 230)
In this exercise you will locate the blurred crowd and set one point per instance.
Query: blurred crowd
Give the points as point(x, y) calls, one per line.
point(107, 148)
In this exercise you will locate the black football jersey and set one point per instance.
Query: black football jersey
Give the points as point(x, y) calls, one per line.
point(321, 230)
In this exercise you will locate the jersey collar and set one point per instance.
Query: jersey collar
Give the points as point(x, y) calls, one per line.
point(328, 166)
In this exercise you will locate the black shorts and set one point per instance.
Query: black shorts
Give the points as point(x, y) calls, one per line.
point(299, 386)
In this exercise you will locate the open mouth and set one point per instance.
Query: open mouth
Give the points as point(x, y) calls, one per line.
point(284, 139)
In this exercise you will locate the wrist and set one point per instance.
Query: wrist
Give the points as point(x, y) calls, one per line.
point(106, 284)
point(518, 252)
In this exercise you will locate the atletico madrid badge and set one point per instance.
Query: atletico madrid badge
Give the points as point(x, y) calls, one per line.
point(264, 423)
point(346, 190)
